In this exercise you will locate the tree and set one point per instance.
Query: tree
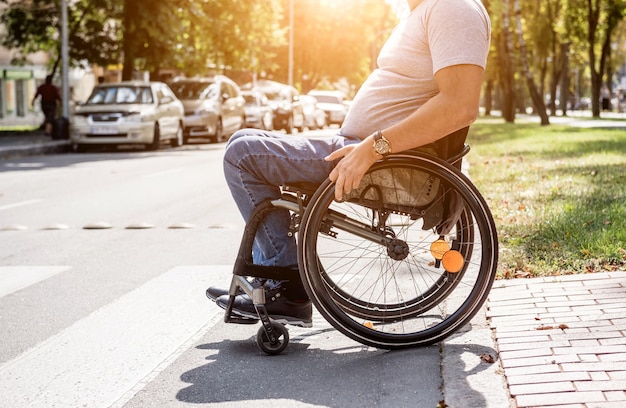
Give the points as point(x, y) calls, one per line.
point(612, 12)
point(194, 36)
point(592, 23)
point(34, 25)
point(334, 40)
point(556, 36)
point(536, 97)
point(148, 29)
point(505, 60)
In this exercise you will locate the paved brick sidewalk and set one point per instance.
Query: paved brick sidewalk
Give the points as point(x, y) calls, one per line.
point(562, 340)
point(24, 143)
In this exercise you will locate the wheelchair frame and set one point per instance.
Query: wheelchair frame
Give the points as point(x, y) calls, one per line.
point(351, 311)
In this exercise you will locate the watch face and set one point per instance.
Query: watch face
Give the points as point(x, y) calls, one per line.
point(381, 146)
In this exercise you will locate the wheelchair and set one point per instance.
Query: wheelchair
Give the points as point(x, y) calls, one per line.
point(403, 261)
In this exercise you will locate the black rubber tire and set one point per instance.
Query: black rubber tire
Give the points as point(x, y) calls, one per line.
point(289, 125)
point(396, 303)
point(178, 140)
point(156, 139)
point(281, 343)
point(218, 137)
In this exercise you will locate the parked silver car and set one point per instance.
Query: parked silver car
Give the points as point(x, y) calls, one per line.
point(258, 110)
point(131, 112)
point(331, 102)
point(214, 107)
point(314, 116)
point(285, 103)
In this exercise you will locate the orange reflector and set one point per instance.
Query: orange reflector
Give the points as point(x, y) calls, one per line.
point(369, 325)
point(452, 261)
point(439, 248)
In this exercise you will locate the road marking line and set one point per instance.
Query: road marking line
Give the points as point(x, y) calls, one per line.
point(162, 173)
point(20, 204)
point(14, 278)
point(98, 359)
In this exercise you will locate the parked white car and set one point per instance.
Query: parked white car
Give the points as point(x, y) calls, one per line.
point(129, 112)
point(314, 116)
point(333, 104)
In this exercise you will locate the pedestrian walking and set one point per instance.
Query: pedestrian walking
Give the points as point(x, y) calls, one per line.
point(50, 96)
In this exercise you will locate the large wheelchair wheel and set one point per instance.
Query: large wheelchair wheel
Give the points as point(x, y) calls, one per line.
point(404, 261)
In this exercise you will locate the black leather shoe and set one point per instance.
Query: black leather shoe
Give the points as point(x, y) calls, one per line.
point(213, 293)
point(279, 308)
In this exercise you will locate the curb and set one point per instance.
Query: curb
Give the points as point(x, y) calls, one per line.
point(55, 146)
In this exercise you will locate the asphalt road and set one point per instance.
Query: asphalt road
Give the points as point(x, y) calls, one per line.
point(104, 259)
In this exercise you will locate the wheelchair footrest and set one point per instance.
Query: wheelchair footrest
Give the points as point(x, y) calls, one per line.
point(240, 320)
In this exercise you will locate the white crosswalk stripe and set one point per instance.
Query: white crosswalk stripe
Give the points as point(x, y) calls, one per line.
point(14, 278)
point(102, 360)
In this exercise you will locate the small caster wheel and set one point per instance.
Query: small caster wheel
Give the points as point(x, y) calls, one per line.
point(279, 334)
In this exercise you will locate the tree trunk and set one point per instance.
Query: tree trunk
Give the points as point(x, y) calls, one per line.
point(565, 94)
point(593, 17)
point(507, 79)
point(128, 47)
point(488, 97)
point(538, 103)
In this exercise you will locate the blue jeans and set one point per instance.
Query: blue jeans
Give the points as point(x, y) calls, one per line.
point(256, 163)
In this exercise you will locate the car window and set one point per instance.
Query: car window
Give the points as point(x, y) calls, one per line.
point(250, 99)
point(120, 95)
point(327, 98)
point(273, 96)
point(160, 94)
point(186, 90)
point(212, 92)
point(231, 90)
point(168, 92)
point(146, 95)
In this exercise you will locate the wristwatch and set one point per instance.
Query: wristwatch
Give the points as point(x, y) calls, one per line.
point(381, 145)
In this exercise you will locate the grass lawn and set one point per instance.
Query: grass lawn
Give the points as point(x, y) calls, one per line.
point(557, 194)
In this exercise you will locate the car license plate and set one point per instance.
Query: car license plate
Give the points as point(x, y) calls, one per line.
point(104, 130)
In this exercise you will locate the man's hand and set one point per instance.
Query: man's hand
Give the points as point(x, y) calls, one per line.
point(355, 160)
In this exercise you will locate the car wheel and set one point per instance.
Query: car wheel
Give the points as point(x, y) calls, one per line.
point(301, 127)
point(219, 132)
point(79, 148)
point(156, 138)
point(178, 139)
point(289, 125)
point(268, 121)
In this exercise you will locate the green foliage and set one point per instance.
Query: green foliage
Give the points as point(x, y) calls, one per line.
point(566, 41)
point(556, 193)
point(333, 39)
point(336, 39)
point(34, 25)
point(30, 26)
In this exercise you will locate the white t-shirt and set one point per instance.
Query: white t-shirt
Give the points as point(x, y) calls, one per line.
point(435, 35)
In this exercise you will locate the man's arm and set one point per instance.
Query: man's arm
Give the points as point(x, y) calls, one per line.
point(454, 107)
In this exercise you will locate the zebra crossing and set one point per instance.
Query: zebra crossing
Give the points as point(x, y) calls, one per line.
point(164, 344)
point(98, 359)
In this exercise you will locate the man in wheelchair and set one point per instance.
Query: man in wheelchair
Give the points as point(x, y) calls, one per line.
point(427, 86)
